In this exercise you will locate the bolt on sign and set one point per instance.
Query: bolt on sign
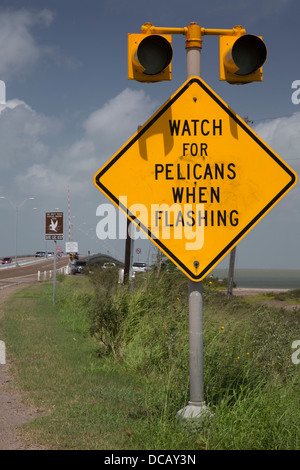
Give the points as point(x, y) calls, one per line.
point(195, 178)
point(54, 226)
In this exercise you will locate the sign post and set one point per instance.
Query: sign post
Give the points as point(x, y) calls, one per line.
point(54, 274)
point(196, 408)
point(54, 230)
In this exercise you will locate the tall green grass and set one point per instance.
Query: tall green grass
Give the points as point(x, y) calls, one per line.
point(109, 365)
point(251, 384)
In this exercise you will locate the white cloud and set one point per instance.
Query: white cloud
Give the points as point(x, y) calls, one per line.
point(120, 116)
point(23, 133)
point(42, 180)
point(44, 17)
point(19, 49)
point(283, 136)
point(106, 130)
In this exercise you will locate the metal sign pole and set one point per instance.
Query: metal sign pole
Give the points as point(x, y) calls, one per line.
point(196, 408)
point(54, 273)
point(54, 230)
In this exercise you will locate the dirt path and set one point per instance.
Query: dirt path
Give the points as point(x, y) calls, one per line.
point(13, 412)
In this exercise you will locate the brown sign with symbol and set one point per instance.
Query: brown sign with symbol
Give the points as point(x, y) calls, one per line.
point(54, 226)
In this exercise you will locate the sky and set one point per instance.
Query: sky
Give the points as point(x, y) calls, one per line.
point(70, 107)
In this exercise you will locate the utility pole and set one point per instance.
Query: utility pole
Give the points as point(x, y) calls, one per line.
point(127, 253)
point(159, 260)
point(233, 251)
point(231, 273)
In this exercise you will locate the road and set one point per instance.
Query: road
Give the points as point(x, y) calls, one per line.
point(27, 273)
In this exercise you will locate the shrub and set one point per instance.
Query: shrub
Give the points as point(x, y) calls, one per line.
point(246, 347)
point(108, 309)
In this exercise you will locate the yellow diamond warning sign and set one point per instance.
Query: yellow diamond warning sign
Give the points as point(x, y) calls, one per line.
point(195, 178)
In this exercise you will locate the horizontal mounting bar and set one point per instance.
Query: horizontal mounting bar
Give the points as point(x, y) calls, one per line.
point(148, 28)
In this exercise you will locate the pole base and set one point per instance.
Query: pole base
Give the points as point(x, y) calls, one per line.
point(195, 413)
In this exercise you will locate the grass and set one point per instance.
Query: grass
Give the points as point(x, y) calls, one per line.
point(85, 403)
point(108, 367)
point(290, 297)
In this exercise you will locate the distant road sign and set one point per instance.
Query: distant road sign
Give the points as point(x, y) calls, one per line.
point(71, 247)
point(58, 249)
point(54, 226)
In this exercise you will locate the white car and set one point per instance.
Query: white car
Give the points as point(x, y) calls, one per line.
point(108, 265)
point(139, 267)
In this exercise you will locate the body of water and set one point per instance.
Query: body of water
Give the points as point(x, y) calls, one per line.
point(263, 278)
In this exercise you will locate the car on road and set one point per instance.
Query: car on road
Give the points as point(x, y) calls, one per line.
point(40, 254)
point(139, 267)
point(7, 260)
point(78, 266)
point(108, 265)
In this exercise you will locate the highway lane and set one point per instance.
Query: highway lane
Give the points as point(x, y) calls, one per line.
point(29, 272)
